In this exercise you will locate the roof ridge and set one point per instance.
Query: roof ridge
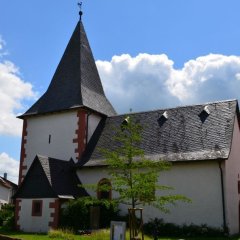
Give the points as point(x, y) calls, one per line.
point(45, 166)
point(171, 108)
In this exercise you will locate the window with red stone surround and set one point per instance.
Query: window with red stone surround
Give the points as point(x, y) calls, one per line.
point(37, 208)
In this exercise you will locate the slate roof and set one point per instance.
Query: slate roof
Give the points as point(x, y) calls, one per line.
point(187, 134)
point(6, 183)
point(76, 82)
point(49, 177)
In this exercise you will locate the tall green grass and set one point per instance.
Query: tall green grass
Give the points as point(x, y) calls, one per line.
point(64, 234)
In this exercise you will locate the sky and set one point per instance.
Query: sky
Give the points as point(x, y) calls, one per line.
point(150, 55)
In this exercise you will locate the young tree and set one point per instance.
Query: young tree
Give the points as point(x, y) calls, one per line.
point(133, 176)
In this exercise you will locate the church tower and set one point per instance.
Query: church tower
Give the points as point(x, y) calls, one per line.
point(62, 121)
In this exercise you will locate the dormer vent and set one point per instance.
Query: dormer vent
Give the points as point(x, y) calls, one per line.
point(206, 109)
point(163, 118)
point(204, 114)
point(165, 114)
point(124, 123)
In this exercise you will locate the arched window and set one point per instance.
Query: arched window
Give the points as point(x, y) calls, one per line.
point(104, 189)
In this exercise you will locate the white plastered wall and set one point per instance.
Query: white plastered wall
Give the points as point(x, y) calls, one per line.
point(61, 127)
point(232, 176)
point(4, 194)
point(29, 223)
point(93, 121)
point(200, 181)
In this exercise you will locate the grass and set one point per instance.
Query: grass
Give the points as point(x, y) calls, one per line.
point(99, 235)
point(57, 235)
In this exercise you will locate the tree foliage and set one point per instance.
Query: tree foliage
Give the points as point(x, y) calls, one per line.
point(7, 216)
point(134, 176)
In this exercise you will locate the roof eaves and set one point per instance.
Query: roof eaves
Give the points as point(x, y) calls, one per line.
point(173, 157)
point(4, 183)
point(32, 114)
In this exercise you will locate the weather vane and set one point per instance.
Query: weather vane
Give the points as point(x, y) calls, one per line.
point(80, 12)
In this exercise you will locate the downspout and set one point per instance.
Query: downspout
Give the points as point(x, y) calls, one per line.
point(223, 197)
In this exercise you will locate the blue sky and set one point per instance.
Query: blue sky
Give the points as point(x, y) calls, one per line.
point(150, 54)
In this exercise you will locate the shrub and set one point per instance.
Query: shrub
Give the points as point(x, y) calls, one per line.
point(76, 214)
point(158, 227)
point(9, 222)
point(7, 216)
point(65, 234)
point(108, 214)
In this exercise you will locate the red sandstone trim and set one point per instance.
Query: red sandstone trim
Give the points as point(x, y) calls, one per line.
point(56, 206)
point(23, 152)
point(17, 210)
point(81, 134)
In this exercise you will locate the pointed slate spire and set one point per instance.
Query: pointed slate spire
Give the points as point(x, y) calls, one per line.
point(76, 82)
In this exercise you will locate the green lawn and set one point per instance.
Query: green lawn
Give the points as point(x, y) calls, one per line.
point(102, 235)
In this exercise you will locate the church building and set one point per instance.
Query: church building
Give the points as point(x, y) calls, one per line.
point(64, 130)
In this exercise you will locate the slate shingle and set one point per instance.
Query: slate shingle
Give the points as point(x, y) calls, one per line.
point(182, 137)
point(76, 82)
point(49, 177)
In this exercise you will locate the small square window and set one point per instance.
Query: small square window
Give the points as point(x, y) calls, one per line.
point(37, 208)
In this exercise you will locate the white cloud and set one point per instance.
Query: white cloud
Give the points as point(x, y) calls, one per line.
point(207, 78)
point(148, 82)
point(2, 43)
point(13, 91)
point(10, 166)
point(136, 82)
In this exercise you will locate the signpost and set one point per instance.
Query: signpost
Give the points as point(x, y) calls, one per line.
point(118, 231)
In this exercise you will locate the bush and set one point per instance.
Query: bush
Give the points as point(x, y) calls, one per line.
point(61, 234)
point(7, 216)
point(158, 228)
point(76, 214)
point(108, 214)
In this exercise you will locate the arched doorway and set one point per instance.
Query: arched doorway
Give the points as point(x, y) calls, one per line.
point(104, 190)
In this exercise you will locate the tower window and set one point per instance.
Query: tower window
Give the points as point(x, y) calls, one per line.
point(49, 138)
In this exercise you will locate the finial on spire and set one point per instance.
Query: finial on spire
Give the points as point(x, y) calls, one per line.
point(80, 12)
